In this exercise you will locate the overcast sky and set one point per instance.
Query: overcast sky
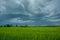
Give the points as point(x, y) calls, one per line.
point(31, 12)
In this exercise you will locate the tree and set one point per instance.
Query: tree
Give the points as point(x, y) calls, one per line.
point(8, 25)
point(4, 26)
point(1, 26)
point(24, 25)
point(16, 25)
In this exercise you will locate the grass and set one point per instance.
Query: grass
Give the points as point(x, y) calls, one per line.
point(32, 33)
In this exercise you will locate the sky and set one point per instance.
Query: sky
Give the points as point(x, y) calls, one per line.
point(30, 12)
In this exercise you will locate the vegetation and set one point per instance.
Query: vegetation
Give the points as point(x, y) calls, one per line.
point(10, 25)
point(30, 33)
point(16, 32)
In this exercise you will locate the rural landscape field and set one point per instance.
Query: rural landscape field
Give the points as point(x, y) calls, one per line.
point(29, 19)
point(29, 33)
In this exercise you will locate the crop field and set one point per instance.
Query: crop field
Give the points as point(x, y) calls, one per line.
point(30, 33)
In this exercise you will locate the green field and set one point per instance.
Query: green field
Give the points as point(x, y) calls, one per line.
point(30, 33)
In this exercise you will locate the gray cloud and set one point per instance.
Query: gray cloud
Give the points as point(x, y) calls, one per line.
point(30, 10)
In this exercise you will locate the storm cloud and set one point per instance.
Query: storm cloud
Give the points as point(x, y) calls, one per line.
point(31, 12)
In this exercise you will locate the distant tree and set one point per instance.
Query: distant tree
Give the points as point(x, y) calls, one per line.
point(1, 26)
point(4, 26)
point(26, 25)
point(21, 26)
point(16, 25)
point(8, 25)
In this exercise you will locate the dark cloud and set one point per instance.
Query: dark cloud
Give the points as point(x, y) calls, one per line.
point(31, 12)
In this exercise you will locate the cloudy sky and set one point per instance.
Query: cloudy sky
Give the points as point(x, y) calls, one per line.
point(31, 12)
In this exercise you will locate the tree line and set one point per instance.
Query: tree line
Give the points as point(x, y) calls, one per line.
point(10, 25)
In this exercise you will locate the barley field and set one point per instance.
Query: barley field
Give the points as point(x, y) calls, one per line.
point(30, 33)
